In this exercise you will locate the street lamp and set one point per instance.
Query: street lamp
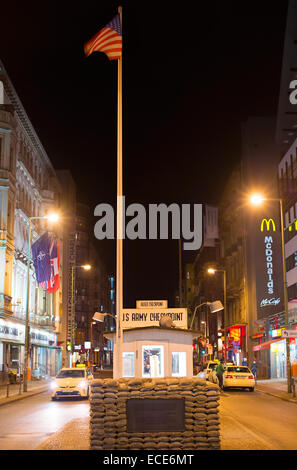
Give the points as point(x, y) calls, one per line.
point(214, 307)
point(86, 267)
point(256, 200)
point(99, 317)
point(204, 323)
point(213, 271)
point(52, 218)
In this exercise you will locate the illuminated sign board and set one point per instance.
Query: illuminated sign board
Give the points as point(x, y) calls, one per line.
point(267, 258)
point(138, 318)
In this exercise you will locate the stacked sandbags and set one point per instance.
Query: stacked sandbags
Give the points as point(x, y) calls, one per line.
point(108, 423)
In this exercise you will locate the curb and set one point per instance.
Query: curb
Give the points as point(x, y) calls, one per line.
point(291, 400)
point(13, 398)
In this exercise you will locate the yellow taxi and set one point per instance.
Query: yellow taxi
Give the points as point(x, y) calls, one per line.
point(238, 377)
point(71, 382)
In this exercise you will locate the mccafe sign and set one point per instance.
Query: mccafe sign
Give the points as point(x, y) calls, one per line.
point(268, 264)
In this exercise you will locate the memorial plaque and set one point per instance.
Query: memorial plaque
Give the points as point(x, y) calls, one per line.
point(155, 415)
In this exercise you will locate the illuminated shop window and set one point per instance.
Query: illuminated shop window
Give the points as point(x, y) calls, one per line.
point(179, 364)
point(128, 364)
point(153, 361)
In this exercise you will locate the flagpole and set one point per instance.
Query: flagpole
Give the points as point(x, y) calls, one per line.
point(119, 249)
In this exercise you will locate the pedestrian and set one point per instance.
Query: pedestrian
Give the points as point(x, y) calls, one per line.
point(254, 369)
point(219, 372)
point(245, 362)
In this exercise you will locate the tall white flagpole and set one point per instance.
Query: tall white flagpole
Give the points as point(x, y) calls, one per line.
point(119, 248)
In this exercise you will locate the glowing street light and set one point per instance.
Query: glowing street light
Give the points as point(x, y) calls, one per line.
point(213, 271)
point(52, 217)
point(86, 267)
point(257, 199)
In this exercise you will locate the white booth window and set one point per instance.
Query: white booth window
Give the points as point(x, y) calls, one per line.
point(128, 364)
point(179, 364)
point(153, 361)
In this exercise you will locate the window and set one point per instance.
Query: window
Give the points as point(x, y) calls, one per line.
point(179, 364)
point(128, 364)
point(152, 361)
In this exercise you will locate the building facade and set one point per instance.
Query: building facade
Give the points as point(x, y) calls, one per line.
point(28, 188)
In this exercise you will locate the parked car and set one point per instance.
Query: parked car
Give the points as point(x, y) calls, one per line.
point(71, 382)
point(210, 367)
point(238, 377)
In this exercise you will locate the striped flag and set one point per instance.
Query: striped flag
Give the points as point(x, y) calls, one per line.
point(108, 40)
point(52, 283)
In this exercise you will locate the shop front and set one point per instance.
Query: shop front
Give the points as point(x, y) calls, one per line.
point(12, 340)
point(236, 336)
point(45, 356)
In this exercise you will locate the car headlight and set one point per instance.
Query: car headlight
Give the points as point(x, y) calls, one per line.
point(54, 385)
point(82, 384)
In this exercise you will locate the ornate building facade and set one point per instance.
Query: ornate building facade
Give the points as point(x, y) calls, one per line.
point(28, 188)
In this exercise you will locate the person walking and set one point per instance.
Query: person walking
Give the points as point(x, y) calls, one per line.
point(219, 372)
point(254, 369)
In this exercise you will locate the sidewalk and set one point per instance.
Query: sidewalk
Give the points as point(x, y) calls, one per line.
point(276, 388)
point(33, 387)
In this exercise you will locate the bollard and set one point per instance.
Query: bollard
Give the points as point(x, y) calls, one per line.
point(7, 390)
point(20, 388)
point(293, 385)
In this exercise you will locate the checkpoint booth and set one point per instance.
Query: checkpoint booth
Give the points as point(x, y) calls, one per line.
point(155, 343)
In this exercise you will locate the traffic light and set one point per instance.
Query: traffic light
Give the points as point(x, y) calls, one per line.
point(68, 345)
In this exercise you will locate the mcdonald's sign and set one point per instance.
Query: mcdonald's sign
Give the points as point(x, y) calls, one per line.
point(268, 222)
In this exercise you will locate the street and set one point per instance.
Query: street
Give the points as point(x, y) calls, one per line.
point(27, 423)
point(256, 421)
point(249, 421)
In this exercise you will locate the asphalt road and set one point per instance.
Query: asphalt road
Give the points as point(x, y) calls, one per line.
point(249, 421)
point(26, 423)
point(256, 421)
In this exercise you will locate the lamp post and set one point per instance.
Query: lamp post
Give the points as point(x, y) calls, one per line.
point(99, 317)
point(86, 267)
point(92, 355)
point(52, 218)
point(213, 271)
point(215, 306)
point(257, 200)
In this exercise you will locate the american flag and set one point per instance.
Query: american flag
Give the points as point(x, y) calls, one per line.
point(108, 40)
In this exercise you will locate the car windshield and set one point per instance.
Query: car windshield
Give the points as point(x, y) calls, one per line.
point(212, 366)
point(76, 374)
point(245, 370)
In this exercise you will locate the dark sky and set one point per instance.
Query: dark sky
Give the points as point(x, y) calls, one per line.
point(191, 74)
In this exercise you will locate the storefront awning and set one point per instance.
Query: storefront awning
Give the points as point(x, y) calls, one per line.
point(10, 341)
point(266, 344)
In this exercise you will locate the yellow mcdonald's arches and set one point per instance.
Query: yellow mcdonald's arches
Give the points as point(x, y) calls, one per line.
point(268, 224)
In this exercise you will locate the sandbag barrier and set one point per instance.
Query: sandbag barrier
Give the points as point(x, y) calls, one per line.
point(108, 418)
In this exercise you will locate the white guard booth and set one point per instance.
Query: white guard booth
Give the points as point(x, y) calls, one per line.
point(155, 351)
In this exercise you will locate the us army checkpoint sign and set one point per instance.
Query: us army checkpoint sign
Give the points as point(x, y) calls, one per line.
point(138, 318)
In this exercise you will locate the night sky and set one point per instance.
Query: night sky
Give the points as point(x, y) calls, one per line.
point(191, 74)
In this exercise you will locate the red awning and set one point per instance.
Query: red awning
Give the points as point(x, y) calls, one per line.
point(266, 344)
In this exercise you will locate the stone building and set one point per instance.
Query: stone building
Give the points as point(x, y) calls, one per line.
point(29, 188)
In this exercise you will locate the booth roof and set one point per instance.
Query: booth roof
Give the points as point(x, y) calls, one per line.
point(194, 333)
